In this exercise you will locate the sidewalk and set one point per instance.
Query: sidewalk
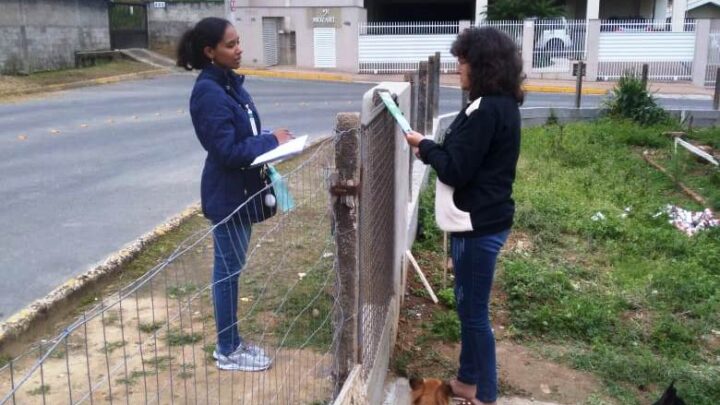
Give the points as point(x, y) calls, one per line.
point(453, 80)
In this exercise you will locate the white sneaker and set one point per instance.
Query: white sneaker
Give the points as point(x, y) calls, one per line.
point(247, 357)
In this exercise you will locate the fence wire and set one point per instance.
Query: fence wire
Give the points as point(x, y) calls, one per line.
point(152, 341)
point(376, 233)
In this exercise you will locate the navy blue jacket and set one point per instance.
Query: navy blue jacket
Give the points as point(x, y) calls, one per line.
point(478, 157)
point(219, 107)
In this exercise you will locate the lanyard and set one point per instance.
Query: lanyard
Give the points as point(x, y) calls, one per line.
point(251, 117)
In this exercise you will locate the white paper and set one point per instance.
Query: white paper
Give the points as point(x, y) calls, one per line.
point(293, 147)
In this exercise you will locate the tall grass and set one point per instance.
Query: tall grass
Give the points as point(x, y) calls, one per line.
point(629, 297)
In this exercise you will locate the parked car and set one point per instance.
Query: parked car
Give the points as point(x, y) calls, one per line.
point(552, 34)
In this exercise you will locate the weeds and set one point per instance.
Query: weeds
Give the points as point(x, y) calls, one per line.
point(148, 327)
point(180, 338)
point(41, 390)
point(630, 99)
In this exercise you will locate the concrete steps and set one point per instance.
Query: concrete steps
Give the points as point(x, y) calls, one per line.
point(150, 58)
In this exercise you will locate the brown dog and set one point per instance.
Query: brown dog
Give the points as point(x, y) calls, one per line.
point(430, 391)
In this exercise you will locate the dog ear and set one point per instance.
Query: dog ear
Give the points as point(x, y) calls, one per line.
point(416, 383)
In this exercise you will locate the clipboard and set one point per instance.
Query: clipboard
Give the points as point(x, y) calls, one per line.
point(395, 111)
point(283, 151)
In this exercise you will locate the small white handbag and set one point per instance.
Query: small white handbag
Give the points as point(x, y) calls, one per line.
point(448, 216)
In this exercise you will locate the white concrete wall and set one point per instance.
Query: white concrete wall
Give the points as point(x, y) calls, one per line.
point(249, 24)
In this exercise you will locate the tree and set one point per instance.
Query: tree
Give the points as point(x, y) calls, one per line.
point(522, 9)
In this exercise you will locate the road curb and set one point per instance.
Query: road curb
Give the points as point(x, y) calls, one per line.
point(86, 83)
point(24, 319)
point(588, 91)
point(313, 76)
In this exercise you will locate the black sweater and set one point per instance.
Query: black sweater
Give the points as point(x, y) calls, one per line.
point(478, 158)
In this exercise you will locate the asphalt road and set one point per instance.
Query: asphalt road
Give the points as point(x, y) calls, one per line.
point(86, 171)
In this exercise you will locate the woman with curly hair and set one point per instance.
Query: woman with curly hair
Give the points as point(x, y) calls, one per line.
point(477, 159)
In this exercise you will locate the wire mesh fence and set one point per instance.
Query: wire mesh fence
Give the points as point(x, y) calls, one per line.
point(376, 232)
point(153, 341)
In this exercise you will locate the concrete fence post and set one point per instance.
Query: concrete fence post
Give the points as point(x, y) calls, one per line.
point(431, 89)
point(422, 98)
point(702, 47)
point(436, 82)
point(344, 188)
point(528, 41)
point(592, 39)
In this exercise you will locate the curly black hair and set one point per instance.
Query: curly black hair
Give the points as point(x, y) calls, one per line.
point(495, 62)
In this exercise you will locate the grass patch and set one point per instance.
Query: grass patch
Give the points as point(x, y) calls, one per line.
point(160, 363)
point(305, 321)
point(112, 346)
point(179, 338)
point(150, 327)
point(181, 291)
point(446, 326)
point(634, 298)
point(41, 390)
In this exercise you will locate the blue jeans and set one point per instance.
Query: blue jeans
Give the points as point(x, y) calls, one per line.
point(231, 240)
point(474, 264)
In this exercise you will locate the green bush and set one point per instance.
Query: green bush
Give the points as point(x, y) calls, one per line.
point(446, 326)
point(630, 99)
point(447, 297)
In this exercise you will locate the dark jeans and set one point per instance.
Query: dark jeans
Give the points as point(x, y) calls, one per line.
point(474, 263)
point(231, 243)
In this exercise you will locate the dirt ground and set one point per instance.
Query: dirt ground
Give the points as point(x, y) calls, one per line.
point(156, 344)
point(522, 373)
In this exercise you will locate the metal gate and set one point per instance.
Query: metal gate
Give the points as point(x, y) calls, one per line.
point(270, 40)
point(324, 45)
point(128, 26)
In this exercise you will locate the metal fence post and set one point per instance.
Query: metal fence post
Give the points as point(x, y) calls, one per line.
point(578, 83)
point(345, 208)
point(716, 96)
point(645, 74)
point(422, 98)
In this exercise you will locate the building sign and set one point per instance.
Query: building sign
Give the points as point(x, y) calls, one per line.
point(159, 4)
point(324, 17)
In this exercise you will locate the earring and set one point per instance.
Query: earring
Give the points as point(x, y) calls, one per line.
point(212, 61)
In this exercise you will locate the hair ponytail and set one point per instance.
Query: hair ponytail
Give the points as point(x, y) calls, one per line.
point(191, 48)
point(185, 50)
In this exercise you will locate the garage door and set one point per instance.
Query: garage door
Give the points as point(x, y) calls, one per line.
point(270, 40)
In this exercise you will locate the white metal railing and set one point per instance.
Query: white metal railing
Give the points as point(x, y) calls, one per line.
point(409, 28)
point(643, 25)
point(513, 28)
point(396, 47)
point(713, 61)
point(557, 43)
point(669, 55)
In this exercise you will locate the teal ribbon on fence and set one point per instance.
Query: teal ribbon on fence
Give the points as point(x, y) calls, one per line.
point(282, 193)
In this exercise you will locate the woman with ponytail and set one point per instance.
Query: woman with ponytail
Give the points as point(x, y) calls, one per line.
point(228, 127)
